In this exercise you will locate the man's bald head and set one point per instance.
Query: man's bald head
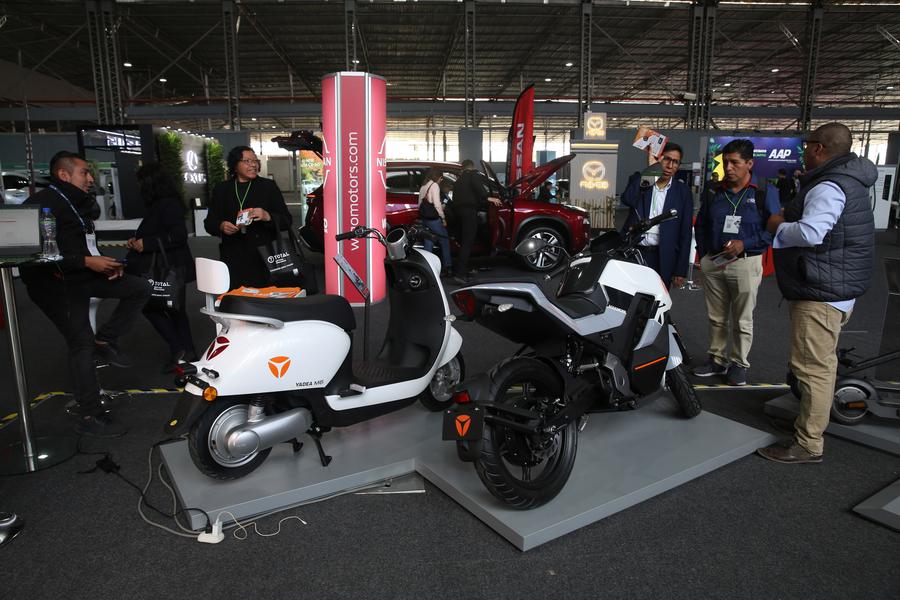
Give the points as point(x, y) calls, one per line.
point(826, 142)
point(834, 137)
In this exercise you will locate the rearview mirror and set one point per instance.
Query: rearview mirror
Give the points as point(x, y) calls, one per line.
point(529, 246)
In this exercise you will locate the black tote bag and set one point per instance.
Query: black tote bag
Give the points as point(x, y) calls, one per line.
point(285, 262)
point(167, 283)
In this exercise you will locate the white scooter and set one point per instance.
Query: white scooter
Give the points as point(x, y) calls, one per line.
point(279, 368)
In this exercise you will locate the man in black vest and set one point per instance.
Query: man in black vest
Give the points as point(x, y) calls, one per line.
point(469, 195)
point(824, 253)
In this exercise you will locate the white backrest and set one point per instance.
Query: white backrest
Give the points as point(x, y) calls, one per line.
point(212, 276)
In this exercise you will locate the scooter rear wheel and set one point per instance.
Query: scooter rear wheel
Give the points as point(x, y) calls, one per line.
point(684, 392)
point(526, 470)
point(207, 441)
point(438, 395)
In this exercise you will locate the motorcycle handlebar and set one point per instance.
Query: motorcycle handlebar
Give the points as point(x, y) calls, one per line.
point(662, 217)
point(356, 232)
point(556, 271)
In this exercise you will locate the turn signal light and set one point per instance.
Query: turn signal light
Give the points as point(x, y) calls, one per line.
point(210, 394)
point(462, 397)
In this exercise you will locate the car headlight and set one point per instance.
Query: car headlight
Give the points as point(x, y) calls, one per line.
point(587, 221)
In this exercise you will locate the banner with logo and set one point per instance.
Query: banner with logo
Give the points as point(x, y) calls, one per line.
point(769, 155)
point(520, 145)
point(354, 117)
point(592, 179)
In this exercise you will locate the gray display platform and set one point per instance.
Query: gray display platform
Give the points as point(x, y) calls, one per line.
point(883, 507)
point(623, 459)
point(881, 434)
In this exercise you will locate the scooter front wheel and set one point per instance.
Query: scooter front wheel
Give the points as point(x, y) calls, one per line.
point(438, 395)
point(526, 470)
point(684, 392)
point(208, 438)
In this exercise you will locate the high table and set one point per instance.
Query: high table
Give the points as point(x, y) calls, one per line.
point(30, 454)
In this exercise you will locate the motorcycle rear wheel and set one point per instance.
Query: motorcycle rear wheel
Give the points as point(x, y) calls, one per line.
point(683, 390)
point(526, 470)
point(206, 441)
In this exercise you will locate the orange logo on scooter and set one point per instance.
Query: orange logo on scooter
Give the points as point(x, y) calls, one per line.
point(462, 424)
point(279, 366)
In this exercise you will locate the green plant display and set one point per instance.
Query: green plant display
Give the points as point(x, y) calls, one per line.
point(169, 146)
point(215, 166)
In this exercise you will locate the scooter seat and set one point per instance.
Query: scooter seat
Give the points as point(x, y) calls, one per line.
point(577, 306)
point(332, 309)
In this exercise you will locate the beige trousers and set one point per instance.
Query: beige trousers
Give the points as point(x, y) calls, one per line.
point(731, 292)
point(815, 327)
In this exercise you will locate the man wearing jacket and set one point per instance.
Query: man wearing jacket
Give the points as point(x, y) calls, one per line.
point(824, 254)
point(469, 195)
point(667, 246)
point(731, 238)
point(63, 290)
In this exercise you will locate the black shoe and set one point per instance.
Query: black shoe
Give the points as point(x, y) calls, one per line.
point(108, 354)
point(737, 375)
point(103, 425)
point(710, 369)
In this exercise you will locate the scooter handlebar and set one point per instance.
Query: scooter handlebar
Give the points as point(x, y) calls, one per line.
point(356, 232)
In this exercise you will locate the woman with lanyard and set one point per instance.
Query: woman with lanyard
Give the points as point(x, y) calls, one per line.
point(246, 211)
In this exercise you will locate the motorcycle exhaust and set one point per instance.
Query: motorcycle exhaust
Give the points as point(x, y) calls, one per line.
point(253, 437)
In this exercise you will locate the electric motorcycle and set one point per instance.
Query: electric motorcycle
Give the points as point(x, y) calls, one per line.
point(603, 342)
point(279, 368)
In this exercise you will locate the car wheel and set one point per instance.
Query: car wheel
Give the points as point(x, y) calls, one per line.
point(552, 255)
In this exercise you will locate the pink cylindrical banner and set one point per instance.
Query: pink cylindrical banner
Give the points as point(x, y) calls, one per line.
point(353, 123)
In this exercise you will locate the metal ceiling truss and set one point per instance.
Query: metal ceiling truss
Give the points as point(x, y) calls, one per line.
point(103, 32)
point(232, 74)
point(702, 41)
point(811, 60)
point(584, 63)
point(350, 29)
point(470, 63)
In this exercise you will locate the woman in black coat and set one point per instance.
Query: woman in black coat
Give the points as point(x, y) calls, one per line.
point(163, 227)
point(264, 210)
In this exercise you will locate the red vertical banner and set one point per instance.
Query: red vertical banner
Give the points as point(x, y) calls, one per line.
point(354, 123)
point(520, 144)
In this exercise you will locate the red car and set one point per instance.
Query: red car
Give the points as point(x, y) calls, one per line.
point(500, 228)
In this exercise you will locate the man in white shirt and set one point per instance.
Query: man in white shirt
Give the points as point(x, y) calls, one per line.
point(824, 256)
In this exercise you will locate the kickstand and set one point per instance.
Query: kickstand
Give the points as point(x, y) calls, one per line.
point(297, 445)
point(317, 438)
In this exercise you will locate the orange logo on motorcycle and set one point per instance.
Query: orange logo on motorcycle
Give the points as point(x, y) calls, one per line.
point(462, 424)
point(279, 366)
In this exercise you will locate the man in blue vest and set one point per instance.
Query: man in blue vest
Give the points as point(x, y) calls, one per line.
point(667, 246)
point(824, 255)
point(731, 238)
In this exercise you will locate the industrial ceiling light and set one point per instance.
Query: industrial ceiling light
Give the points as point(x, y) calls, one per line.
point(727, 85)
point(569, 64)
point(126, 64)
point(774, 70)
point(163, 80)
point(547, 79)
point(890, 87)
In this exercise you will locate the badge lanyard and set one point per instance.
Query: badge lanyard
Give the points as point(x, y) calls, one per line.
point(90, 237)
point(734, 204)
point(239, 198)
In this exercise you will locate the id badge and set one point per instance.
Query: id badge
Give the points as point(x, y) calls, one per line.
point(91, 239)
point(732, 224)
point(243, 218)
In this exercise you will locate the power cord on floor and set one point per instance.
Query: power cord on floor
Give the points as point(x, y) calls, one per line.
point(244, 529)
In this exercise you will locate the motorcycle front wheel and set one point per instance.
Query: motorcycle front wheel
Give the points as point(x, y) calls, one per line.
point(526, 470)
point(208, 437)
point(684, 392)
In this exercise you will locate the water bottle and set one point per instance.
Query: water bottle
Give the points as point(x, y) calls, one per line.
point(48, 234)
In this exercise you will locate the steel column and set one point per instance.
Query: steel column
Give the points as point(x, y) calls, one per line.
point(584, 81)
point(808, 85)
point(232, 73)
point(103, 35)
point(701, 47)
point(350, 31)
point(470, 63)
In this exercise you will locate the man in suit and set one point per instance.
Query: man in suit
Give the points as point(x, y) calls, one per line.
point(667, 246)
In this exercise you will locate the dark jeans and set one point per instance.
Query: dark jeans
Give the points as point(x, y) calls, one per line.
point(443, 239)
point(468, 227)
point(67, 305)
point(174, 327)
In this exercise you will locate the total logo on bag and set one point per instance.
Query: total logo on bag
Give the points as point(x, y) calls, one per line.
point(278, 258)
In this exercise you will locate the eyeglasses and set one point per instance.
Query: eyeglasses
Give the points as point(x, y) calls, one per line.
point(670, 161)
point(250, 161)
